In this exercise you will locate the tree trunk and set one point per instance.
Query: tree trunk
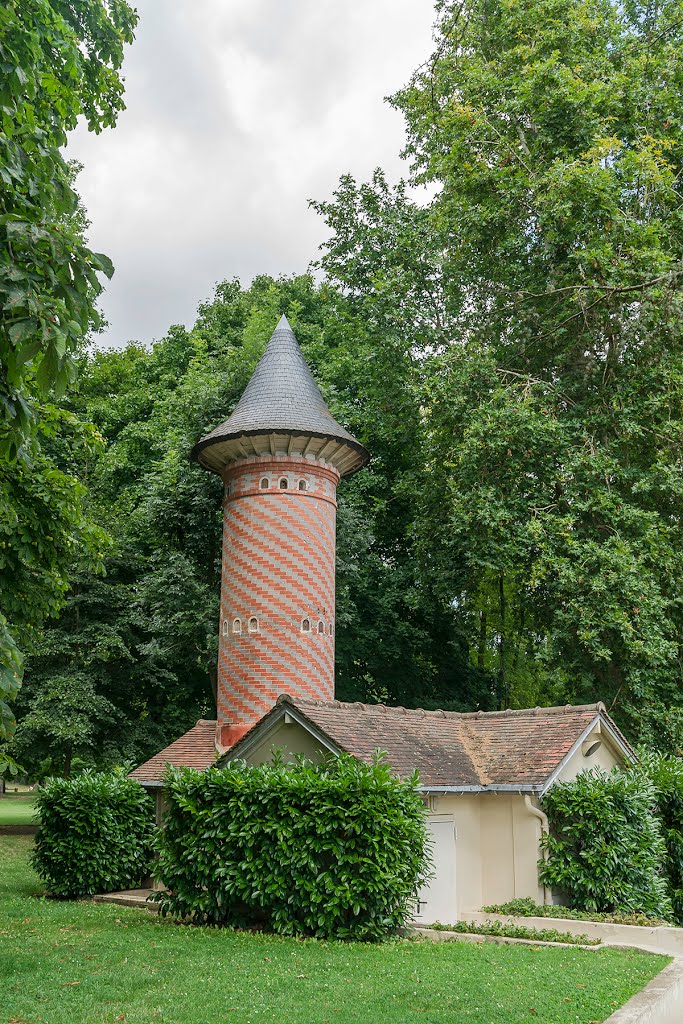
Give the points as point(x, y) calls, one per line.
point(481, 650)
point(502, 677)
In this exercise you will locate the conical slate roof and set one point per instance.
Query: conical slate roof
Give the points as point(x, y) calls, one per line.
point(281, 412)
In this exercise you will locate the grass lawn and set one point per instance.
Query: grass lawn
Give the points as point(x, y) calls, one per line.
point(17, 809)
point(83, 963)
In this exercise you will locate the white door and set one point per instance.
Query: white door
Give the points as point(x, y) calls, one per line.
point(436, 901)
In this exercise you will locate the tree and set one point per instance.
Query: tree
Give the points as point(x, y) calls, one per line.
point(62, 721)
point(547, 268)
point(60, 61)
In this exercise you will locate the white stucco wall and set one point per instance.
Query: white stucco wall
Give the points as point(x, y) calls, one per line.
point(496, 849)
point(290, 739)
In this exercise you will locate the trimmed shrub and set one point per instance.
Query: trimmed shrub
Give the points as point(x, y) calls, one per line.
point(335, 850)
point(605, 848)
point(95, 835)
point(665, 773)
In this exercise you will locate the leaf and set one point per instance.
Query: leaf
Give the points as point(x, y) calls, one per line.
point(20, 330)
point(103, 263)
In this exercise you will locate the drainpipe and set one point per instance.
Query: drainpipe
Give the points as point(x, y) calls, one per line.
point(543, 818)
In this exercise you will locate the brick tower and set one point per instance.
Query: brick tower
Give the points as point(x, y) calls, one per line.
point(280, 455)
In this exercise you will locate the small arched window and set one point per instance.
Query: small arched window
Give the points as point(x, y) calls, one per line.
point(303, 486)
point(331, 629)
point(236, 626)
point(321, 626)
point(284, 483)
point(228, 488)
point(253, 624)
point(225, 627)
point(264, 483)
point(305, 625)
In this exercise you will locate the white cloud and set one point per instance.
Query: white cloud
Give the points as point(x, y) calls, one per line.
point(238, 112)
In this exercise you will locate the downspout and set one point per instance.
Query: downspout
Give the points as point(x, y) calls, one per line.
point(543, 818)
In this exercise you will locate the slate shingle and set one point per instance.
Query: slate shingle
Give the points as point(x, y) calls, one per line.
point(282, 397)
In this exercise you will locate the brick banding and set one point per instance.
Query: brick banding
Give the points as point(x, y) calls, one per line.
point(278, 566)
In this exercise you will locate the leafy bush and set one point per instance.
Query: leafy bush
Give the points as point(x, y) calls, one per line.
point(514, 931)
point(526, 907)
point(665, 773)
point(605, 848)
point(332, 850)
point(96, 834)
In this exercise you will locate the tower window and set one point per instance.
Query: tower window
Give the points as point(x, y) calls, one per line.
point(305, 625)
point(321, 626)
point(225, 627)
point(284, 483)
point(303, 486)
point(253, 624)
point(331, 629)
point(236, 626)
point(264, 483)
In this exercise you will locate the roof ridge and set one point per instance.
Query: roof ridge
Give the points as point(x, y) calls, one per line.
point(564, 709)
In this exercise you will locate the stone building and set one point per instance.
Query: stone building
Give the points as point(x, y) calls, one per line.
point(281, 455)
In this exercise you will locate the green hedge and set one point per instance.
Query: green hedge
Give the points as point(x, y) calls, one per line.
point(332, 850)
point(96, 834)
point(665, 773)
point(605, 851)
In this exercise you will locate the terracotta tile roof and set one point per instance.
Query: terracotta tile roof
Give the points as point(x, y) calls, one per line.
point(195, 749)
point(473, 749)
point(507, 748)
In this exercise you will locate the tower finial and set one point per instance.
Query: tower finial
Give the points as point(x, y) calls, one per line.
point(283, 324)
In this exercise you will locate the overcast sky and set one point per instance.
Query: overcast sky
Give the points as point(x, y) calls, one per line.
point(238, 112)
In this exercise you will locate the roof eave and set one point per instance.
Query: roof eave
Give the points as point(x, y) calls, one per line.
point(614, 734)
point(361, 453)
point(512, 787)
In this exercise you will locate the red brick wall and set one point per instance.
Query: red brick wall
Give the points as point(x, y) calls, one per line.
point(278, 567)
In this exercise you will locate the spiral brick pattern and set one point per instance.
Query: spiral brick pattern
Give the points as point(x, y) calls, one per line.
point(278, 568)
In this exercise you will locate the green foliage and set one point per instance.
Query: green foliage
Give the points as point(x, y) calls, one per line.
point(605, 850)
point(95, 834)
point(45, 533)
point(62, 720)
point(59, 62)
point(526, 907)
point(514, 931)
point(335, 850)
point(665, 774)
point(11, 664)
point(538, 290)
